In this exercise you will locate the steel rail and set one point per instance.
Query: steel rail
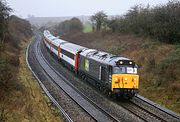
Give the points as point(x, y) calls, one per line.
point(157, 106)
point(140, 112)
point(150, 113)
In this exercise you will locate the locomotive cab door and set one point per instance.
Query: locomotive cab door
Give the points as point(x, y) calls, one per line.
point(102, 73)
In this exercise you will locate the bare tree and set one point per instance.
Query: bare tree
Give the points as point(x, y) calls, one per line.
point(99, 20)
point(4, 15)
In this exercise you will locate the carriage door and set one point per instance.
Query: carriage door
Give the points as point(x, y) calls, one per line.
point(102, 73)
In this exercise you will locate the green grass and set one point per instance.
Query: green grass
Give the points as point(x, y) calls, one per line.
point(87, 28)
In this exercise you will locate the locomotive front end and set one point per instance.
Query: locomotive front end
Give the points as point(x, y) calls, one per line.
point(125, 80)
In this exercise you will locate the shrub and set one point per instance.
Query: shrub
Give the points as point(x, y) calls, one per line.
point(118, 49)
point(169, 68)
point(5, 71)
point(3, 115)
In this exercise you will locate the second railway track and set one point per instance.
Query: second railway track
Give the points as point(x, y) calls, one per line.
point(67, 117)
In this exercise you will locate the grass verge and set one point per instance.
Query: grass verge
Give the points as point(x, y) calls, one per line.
point(23, 100)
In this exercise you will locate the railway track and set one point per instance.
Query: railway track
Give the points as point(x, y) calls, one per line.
point(141, 112)
point(164, 110)
point(66, 116)
point(91, 108)
point(151, 112)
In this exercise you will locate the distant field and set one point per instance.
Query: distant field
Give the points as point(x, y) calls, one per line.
point(87, 28)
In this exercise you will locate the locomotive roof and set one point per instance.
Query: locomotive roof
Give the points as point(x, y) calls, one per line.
point(102, 57)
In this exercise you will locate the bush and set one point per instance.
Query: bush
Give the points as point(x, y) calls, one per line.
point(5, 71)
point(118, 49)
point(169, 68)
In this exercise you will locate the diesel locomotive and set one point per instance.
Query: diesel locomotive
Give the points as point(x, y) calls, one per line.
point(114, 74)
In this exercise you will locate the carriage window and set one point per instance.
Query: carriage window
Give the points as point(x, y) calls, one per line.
point(55, 47)
point(70, 55)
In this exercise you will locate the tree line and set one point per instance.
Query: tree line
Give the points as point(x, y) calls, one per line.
point(161, 22)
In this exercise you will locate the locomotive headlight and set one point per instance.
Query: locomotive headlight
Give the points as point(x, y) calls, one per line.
point(121, 62)
point(134, 79)
point(125, 79)
point(130, 62)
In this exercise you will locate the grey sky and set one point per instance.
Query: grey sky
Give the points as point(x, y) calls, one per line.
point(57, 8)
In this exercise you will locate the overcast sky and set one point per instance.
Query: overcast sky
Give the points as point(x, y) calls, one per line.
point(58, 8)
